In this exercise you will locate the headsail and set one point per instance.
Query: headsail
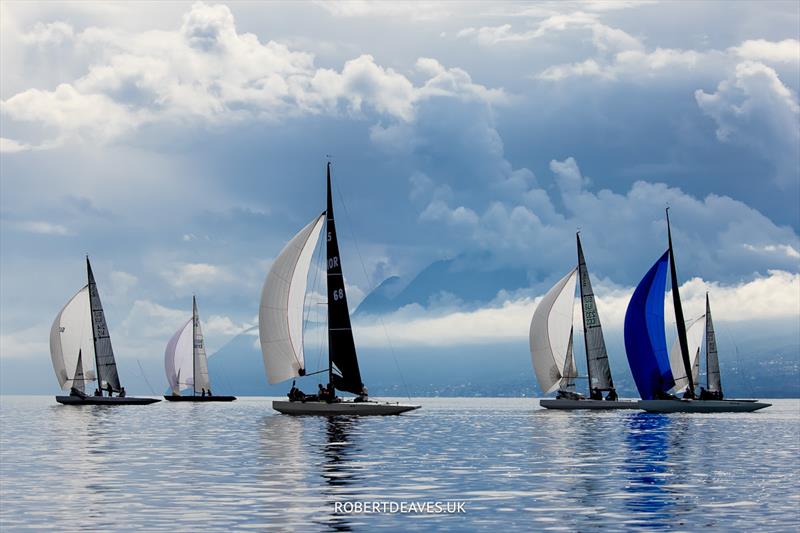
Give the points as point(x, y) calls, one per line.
point(71, 335)
point(570, 371)
point(79, 381)
point(712, 359)
point(550, 332)
point(201, 379)
point(694, 338)
point(280, 316)
point(345, 373)
point(645, 340)
point(596, 354)
point(178, 359)
point(103, 352)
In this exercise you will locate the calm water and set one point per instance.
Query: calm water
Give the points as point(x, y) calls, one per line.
point(207, 467)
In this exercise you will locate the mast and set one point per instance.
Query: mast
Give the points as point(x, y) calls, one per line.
point(676, 300)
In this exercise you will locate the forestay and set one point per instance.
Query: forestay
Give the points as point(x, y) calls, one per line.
point(70, 336)
point(280, 316)
point(550, 332)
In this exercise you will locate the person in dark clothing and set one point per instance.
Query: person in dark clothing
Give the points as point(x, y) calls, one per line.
point(73, 391)
point(97, 392)
point(203, 393)
point(122, 392)
point(596, 394)
point(209, 391)
point(612, 395)
point(322, 394)
point(293, 393)
point(110, 389)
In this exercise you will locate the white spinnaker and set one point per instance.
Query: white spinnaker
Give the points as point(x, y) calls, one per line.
point(694, 337)
point(280, 316)
point(178, 359)
point(550, 332)
point(71, 333)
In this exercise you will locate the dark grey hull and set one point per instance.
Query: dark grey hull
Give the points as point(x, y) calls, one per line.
point(341, 408)
point(702, 406)
point(589, 404)
point(173, 398)
point(104, 400)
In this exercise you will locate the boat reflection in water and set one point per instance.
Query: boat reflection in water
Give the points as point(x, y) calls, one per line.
point(340, 472)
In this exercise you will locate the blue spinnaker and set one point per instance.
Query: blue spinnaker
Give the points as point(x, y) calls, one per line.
point(645, 340)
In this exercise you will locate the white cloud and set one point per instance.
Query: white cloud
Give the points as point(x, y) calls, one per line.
point(785, 249)
point(755, 108)
point(43, 228)
point(207, 71)
point(786, 51)
point(217, 325)
point(195, 275)
point(775, 296)
point(28, 342)
point(53, 33)
point(10, 146)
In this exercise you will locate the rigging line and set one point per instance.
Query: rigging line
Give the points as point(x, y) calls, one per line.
point(366, 277)
point(152, 391)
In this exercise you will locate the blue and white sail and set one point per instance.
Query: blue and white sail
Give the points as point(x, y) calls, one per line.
point(645, 339)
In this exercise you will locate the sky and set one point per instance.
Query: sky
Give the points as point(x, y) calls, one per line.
point(181, 145)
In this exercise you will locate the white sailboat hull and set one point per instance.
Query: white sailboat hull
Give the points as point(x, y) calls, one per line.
point(702, 406)
point(341, 408)
point(589, 404)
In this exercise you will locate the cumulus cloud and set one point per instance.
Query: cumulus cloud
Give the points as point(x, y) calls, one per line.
point(755, 108)
point(775, 296)
point(786, 51)
point(190, 275)
point(207, 71)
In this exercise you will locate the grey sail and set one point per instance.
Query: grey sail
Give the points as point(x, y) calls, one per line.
point(570, 371)
point(596, 354)
point(79, 381)
point(103, 352)
point(199, 359)
point(712, 361)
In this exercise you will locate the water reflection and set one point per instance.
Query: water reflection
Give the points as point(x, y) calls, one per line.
point(339, 468)
point(647, 468)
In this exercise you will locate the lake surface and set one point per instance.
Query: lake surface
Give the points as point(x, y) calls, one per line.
point(241, 466)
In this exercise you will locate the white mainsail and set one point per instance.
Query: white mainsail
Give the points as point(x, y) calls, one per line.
point(550, 332)
point(178, 359)
point(280, 316)
point(71, 335)
point(694, 338)
point(201, 380)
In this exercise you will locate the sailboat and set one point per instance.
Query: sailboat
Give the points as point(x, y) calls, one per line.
point(79, 335)
point(654, 371)
point(280, 326)
point(551, 336)
point(186, 364)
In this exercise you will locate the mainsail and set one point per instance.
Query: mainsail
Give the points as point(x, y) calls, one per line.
point(344, 372)
point(680, 321)
point(71, 335)
point(714, 383)
point(103, 352)
point(178, 359)
point(551, 333)
point(201, 380)
point(694, 338)
point(645, 339)
point(596, 354)
point(280, 316)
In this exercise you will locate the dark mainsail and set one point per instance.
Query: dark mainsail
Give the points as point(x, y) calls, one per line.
point(596, 354)
point(344, 371)
point(103, 352)
point(681, 322)
point(714, 384)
